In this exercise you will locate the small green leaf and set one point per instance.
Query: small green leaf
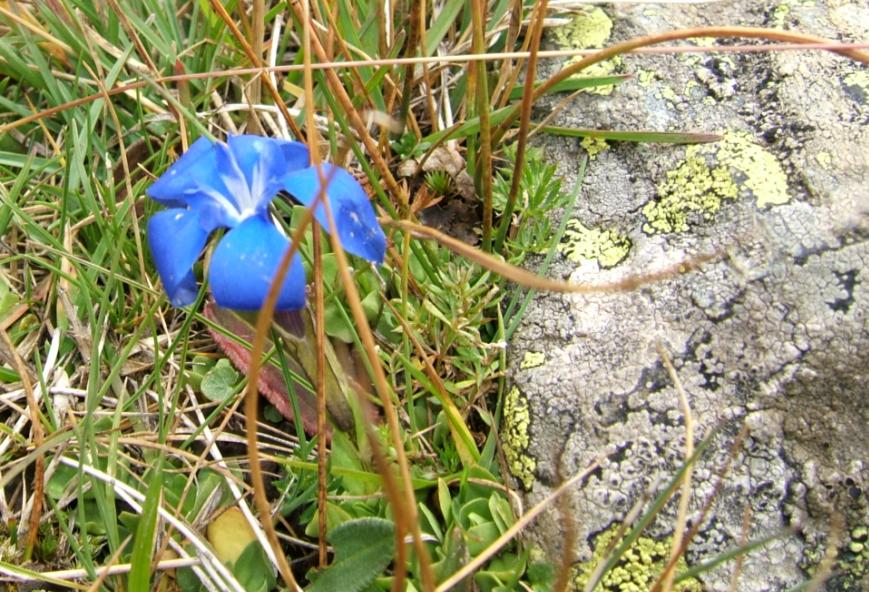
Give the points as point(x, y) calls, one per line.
point(481, 536)
point(253, 570)
point(363, 549)
point(59, 480)
point(272, 414)
point(502, 513)
point(444, 499)
point(218, 384)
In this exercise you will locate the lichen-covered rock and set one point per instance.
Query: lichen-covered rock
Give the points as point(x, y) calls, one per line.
point(772, 336)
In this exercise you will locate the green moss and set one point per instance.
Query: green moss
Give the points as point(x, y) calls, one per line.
point(589, 29)
point(710, 174)
point(532, 360)
point(516, 437)
point(594, 146)
point(607, 247)
point(637, 569)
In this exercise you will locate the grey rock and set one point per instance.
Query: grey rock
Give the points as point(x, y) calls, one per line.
point(773, 335)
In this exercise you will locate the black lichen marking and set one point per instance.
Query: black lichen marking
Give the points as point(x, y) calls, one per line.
point(848, 280)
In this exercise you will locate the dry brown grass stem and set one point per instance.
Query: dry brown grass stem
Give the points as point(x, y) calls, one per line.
point(319, 304)
point(528, 279)
point(743, 539)
point(263, 323)
point(259, 68)
point(258, 20)
point(721, 473)
point(685, 493)
point(524, 121)
point(478, 84)
point(37, 436)
point(853, 51)
point(715, 32)
point(404, 503)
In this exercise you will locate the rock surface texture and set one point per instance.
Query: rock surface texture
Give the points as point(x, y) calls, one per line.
point(772, 336)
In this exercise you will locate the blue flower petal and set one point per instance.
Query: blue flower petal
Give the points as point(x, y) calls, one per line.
point(204, 182)
point(244, 264)
point(263, 161)
point(358, 229)
point(170, 188)
point(176, 238)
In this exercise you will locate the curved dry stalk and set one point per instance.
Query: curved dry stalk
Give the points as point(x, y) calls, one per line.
point(528, 279)
point(685, 494)
point(405, 505)
point(263, 322)
point(524, 123)
point(639, 42)
point(319, 304)
point(852, 50)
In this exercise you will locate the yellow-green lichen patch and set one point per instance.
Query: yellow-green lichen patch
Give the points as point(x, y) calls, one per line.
point(710, 174)
point(594, 146)
point(669, 94)
point(638, 568)
point(532, 360)
point(589, 29)
point(825, 159)
point(853, 560)
point(857, 85)
point(645, 77)
point(516, 437)
point(607, 247)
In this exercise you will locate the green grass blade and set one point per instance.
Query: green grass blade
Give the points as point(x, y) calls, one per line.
point(633, 136)
point(143, 543)
point(575, 84)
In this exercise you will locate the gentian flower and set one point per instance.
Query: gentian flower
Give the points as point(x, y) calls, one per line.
point(230, 185)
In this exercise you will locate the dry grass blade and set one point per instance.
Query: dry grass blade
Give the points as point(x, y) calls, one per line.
point(264, 320)
point(37, 436)
point(404, 507)
point(852, 50)
point(524, 122)
point(685, 493)
point(528, 279)
point(715, 32)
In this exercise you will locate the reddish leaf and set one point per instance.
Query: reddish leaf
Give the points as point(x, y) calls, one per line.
point(271, 381)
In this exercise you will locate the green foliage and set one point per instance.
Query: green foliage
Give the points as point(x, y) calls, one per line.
point(132, 376)
point(220, 382)
point(540, 198)
point(363, 549)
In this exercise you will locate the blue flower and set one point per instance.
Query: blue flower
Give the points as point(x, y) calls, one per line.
point(230, 185)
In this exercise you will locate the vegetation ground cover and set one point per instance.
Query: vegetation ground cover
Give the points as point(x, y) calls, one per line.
point(124, 457)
